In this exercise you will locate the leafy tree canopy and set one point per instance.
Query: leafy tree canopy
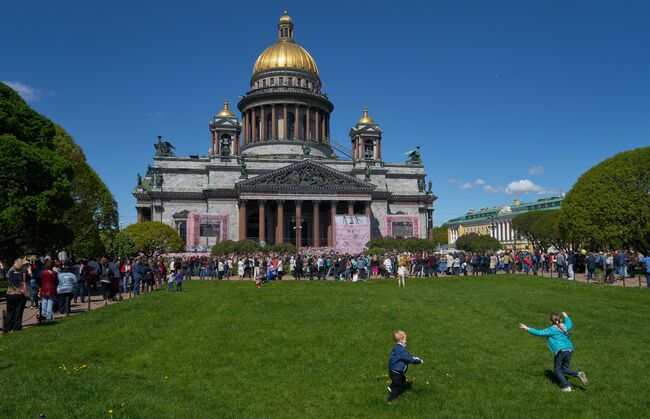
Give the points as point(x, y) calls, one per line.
point(153, 238)
point(540, 228)
point(21, 121)
point(119, 243)
point(609, 205)
point(50, 197)
point(473, 242)
point(34, 195)
point(440, 235)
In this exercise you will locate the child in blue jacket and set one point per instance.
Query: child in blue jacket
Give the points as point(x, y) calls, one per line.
point(398, 364)
point(557, 338)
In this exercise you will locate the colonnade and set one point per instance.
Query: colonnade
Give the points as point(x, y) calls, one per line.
point(255, 127)
point(291, 216)
point(502, 231)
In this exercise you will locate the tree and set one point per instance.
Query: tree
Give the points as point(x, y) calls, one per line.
point(51, 198)
point(540, 228)
point(21, 121)
point(440, 235)
point(34, 196)
point(153, 238)
point(473, 242)
point(35, 182)
point(95, 210)
point(119, 243)
point(609, 205)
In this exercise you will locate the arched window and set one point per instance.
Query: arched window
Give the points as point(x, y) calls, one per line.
point(182, 230)
point(369, 149)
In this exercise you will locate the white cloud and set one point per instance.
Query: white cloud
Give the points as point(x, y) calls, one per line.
point(26, 92)
point(536, 170)
point(492, 189)
point(468, 185)
point(524, 186)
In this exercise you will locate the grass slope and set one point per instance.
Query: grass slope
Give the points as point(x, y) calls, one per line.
point(299, 349)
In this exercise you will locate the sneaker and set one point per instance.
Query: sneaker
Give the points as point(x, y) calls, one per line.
point(567, 389)
point(389, 390)
point(583, 378)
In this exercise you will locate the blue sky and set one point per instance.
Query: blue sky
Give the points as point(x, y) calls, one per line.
point(507, 99)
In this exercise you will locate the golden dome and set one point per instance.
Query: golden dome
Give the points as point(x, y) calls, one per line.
point(225, 112)
point(365, 119)
point(285, 53)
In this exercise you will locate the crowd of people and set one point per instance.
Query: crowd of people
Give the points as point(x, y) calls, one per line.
point(51, 285)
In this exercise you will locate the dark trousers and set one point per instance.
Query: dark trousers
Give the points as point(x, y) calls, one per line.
point(397, 385)
point(64, 302)
point(561, 367)
point(14, 318)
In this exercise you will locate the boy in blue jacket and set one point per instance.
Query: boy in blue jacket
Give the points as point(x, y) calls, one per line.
point(398, 364)
point(557, 338)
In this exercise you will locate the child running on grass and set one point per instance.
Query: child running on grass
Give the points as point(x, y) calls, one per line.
point(398, 364)
point(401, 273)
point(557, 338)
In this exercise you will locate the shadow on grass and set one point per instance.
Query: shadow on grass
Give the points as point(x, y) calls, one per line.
point(550, 376)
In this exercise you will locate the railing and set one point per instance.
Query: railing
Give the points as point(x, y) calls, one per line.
point(341, 149)
point(285, 89)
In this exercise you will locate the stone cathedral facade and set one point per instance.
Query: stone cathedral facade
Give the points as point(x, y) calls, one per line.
point(274, 176)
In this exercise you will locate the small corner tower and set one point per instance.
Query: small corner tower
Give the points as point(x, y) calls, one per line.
point(225, 129)
point(366, 139)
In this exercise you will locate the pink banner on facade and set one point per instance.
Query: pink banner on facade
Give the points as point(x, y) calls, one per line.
point(403, 226)
point(351, 233)
point(204, 224)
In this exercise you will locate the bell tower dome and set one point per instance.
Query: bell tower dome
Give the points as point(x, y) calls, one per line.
point(366, 139)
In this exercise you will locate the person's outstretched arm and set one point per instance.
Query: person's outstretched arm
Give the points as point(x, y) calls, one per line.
point(536, 332)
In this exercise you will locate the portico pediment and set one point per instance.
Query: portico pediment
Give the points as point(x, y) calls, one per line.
point(306, 176)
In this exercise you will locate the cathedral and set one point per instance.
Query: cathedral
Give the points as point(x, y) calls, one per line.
point(275, 175)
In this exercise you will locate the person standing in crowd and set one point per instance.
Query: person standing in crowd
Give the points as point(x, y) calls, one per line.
point(506, 263)
point(559, 264)
point(622, 264)
point(66, 287)
point(49, 282)
point(179, 281)
point(559, 342)
point(591, 266)
point(33, 286)
point(92, 276)
point(571, 261)
point(127, 272)
point(137, 275)
point(170, 281)
point(18, 279)
point(646, 261)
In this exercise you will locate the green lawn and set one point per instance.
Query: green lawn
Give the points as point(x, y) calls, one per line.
point(307, 349)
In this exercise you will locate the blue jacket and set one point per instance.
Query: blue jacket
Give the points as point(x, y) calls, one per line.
point(556, 339)
point(67, 283)
point(400, 358)
point(646, 260)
